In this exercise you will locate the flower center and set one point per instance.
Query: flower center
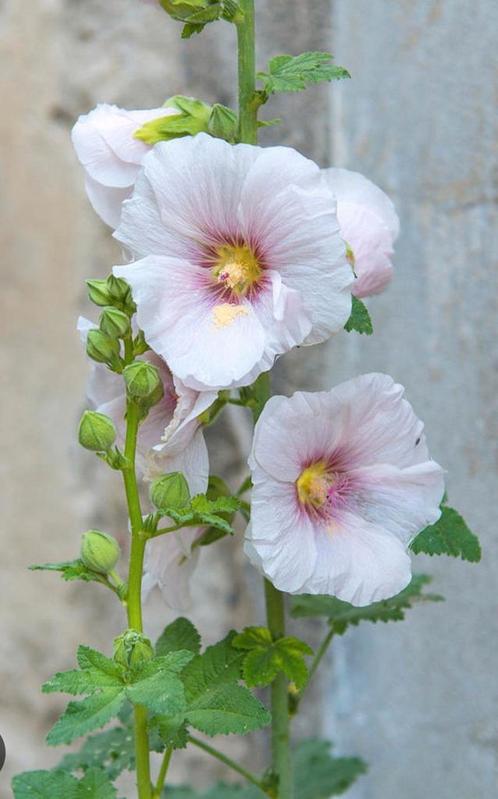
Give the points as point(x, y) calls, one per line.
point(314, 484)
point(237, 268)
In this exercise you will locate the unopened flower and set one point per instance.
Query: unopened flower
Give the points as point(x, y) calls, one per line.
point(369, 225)
point(170, 561)
point(170, 438)
point(110, 154)
point(241, 257)
point(342, 484)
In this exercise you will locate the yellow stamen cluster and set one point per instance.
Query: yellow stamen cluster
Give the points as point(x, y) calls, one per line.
point(237, 268)
point(350, 255)
point(313, 484)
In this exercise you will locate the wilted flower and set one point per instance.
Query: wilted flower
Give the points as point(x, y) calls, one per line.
point(241, 257)
point(342, 484)
point(111, 156)
point(369, 225)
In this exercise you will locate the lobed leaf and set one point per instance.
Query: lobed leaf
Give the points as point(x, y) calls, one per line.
point(226, 709)
point(87, 715)
point(267, 658)
point(320, 775)
point(341, 614)
point(359, 320)
point(450, 535)
point(58, 784)
point(288, 73)
point(113, 751)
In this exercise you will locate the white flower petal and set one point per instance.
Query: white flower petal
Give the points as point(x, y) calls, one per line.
point(106, 201)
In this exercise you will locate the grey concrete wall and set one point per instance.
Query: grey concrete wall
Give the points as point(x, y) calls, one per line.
point(418, 700)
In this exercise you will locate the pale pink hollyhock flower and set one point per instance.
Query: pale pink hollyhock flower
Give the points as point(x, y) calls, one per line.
point(241, 257)
point(369, 225)
point(170, 439)
point(110, 154)
point(342, 484)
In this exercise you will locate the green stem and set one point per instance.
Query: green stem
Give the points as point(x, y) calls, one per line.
point(134, 599)
point(161, 779)
point(320, 653)
point(280, 741)
point(248, 106)
point(227, 761)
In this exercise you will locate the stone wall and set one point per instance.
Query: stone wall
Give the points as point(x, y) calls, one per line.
point(418, 118)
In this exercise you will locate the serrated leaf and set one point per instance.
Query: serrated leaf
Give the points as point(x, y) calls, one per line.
point(227, 709)
point(218, 665)
point(159, 688)
point(113, 751)
point(172, 731)
point(190, 30)
point(96, 785)
point(288, 73)
point(267, 658)
point(181, 634)
point(341, 614)
point(45, 785)
point(450, 535)
point(320, 775)
point(96, 672)
point(85, 716)
point(359, 320)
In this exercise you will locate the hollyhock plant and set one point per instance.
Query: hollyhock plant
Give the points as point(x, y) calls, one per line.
point(239, 257)
point(348, 476)
point(110, 154)
point(236, 254)
point(369, 225)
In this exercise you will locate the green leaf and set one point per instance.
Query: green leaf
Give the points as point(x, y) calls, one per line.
point(96, 672)
point(226, 709)
point(341, 614)
point(190, 30)
point(450, 535)
point(45, 785)
point(319, 775)
point(113, 751)
point(85, 716)
point(58, 784)
point(95, 785)
point(267, 658)
point(71, 570)
point(359, 320)
point(219, 791)
point(288, 73)
point(218, 665)
point(158, 687)
point(181, 634)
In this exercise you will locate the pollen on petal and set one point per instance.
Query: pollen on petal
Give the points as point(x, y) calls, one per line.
point(226, 313)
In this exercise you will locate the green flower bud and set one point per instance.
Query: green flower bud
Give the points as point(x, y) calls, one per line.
point(132, 649)
point(99, 551)
point(170, 491)
point(114, 323)
point(102, 348)
point(112, 291)
point(96, 431)
point(143, 383)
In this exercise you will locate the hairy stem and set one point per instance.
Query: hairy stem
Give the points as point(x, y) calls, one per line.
point(248, 106)
point(134, 600)
point(227, 761)
point(280, 740)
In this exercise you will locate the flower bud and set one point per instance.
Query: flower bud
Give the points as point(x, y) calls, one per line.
point(99, 551)
point(112, 291)
point(114, 323)
point(170, 491)
point(223, 123)
point(96, 431)
point(143, 383)
point(102, 348)
point(132, 649)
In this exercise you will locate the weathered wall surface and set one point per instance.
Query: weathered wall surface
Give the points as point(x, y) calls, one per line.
point(418, 699)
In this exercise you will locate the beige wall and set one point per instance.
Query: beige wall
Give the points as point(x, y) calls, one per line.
point(419, 119)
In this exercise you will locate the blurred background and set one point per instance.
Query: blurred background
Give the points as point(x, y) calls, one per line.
point(417, 700)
